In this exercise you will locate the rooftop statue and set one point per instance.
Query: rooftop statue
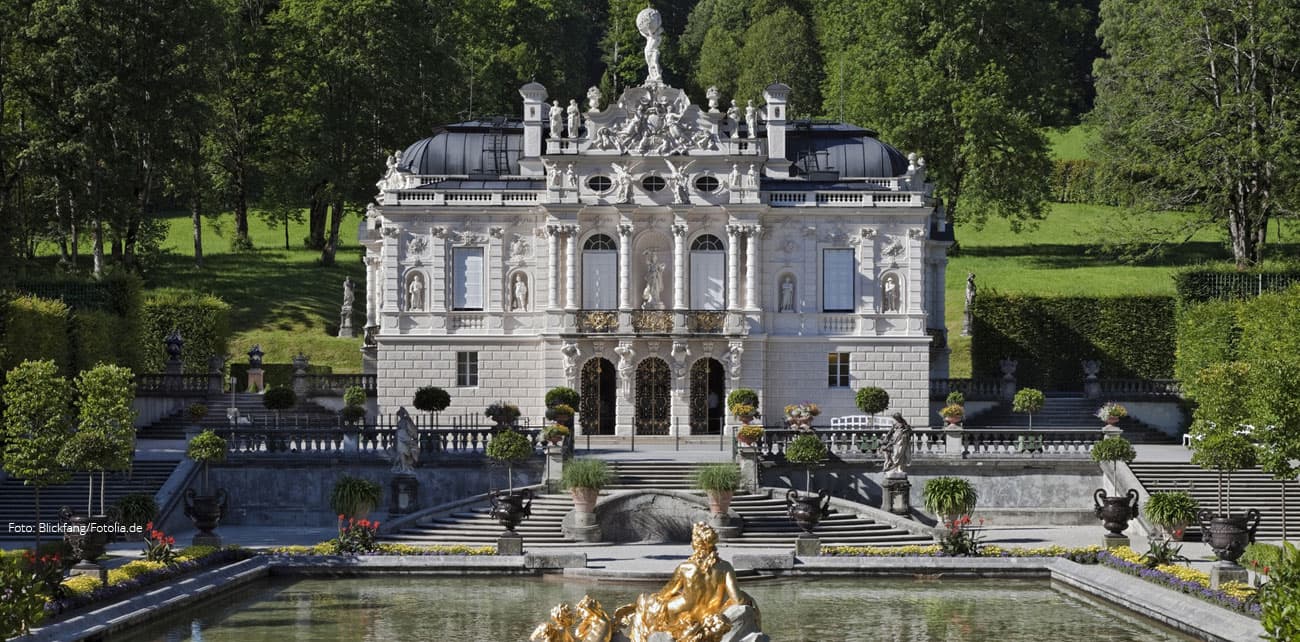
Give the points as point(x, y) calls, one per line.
point(650, 25)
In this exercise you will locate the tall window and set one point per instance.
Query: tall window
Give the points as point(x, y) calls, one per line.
point(837, 369)
point(708, 273)
point(600, 273)
point(467, 369)
point(837, 280)
point(467, 278)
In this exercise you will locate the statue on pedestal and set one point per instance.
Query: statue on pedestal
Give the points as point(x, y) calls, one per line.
point(406, 450)
point(557, 119)
point(898, 449)
point(649, 23)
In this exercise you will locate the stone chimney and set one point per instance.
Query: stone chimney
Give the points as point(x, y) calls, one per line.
point(776, 96)
point(534, 95)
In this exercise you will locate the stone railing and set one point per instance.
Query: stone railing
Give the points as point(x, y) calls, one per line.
point(844, 199)
point(995, 443)
point(839, 324)
point(436, 198)
point(593, 321)
point(706, 321)
point(972, 389)
point(1121, 389)
point(176, 385)
point(252, 443)
point(652, 321)
point(337, 384)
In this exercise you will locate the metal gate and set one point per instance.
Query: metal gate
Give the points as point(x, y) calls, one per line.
point(653, 400)
point(707, 395)
point(596, 404)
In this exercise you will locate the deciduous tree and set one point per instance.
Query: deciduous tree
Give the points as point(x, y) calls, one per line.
point(37, 422)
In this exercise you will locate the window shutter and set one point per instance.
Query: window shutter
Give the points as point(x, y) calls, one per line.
point(467, 272)
point(708, 278)
point(837, 280)
point(599, 280)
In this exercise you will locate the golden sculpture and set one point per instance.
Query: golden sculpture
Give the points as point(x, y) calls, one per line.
point(690, 606)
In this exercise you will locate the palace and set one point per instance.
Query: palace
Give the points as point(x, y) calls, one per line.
point(654, 254)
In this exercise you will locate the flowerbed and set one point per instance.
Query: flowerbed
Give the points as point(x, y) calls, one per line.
point(1236, 596)
point(132, 576)
point(1083, 555)
point(385, 548)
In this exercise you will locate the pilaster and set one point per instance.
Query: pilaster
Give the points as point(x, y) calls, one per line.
point(624, 267)
point(733, 273)
point(679, 264)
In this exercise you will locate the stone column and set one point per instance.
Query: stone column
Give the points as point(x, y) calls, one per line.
point(624, 266)
point(372, 297)
point(752, 267)
point(679, 266)
point(494, 288)
point(733, 273)
point(866, 270)
point(553, 270)
point(571, 268)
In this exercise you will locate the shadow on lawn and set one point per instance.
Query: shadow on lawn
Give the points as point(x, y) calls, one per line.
point(1065, 256)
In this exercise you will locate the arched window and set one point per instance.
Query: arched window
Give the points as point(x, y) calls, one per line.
point(599, 273)
point(708, 273)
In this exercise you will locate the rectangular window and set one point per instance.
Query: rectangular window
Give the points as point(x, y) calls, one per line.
point(708, 273)
point(837, 280)
point(599, 280)
point(467, 278)
point(467, 369)
point(837, 369)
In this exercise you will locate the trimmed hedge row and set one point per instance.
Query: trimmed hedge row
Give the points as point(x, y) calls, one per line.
point(1258, 330)
point(1080, 181)
point(203, 321)
point(1207, 334)
point(1223, 282)
point(36, 329)
point(1132, 337)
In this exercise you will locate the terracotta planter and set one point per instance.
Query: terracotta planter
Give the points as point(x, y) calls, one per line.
point(720, 501)
point(584, 499)
point(1111, 421)
point(1115, 511)
point(745, 419)
point(952, 421)
point(807, 510)
point(748, 441)
point(1228, 535)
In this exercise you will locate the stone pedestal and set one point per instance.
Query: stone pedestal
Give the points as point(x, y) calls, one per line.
point(1110, 430)
point(511, 544)
point(954, 446)
point(345, 323)
point(201, 539)
point(582, 527)
point(554, 471)
point(85, 567)
point(256, 379)
point(1227, 572)
point(722, 524)
point(1114, 541)
point(897, 497)
point(405, 495)
point(807, 545)
point(370, 360)
point(748, 456)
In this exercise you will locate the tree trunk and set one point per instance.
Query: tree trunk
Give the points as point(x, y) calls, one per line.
point(97, 233)
point(90, 492)
point(316, 217)
point(242, 240)
point(332, 244)
point(286, 232)
point(197, 220)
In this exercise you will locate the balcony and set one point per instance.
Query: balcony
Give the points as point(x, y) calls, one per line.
point(652, 321)
point(705, 321)
point(597, 321)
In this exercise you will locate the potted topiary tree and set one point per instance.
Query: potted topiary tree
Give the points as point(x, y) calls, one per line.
point(508, 507)
point(196, 413)
point(555, 433)
point(584, 478)
point(806, 450)
point(1111, 412)
point(207, 509)
point(1225, 451)
point(1172, 512)
point(431, 399)
point(504, 414)
point(354, 405)
point(353, 497)
point(278, 399)
point(137, 509)
point(1115, 511)
point(873, 401)
point(91, 452)
point(720, 482)
point(949, 498)
point(561, 405)
point(1028, 401)
point(36, 423)
point(743, 403)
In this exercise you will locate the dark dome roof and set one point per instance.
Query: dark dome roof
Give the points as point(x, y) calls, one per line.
point(477, 148)
point(851, 151)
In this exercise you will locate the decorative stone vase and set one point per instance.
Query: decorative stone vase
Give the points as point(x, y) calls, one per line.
point(953, 420)
point(720, 501)
point(745, 419)
point(1228, 535)
point(510, 508)
point(747, 441)
point(807, 510)
point(1115, 511)
point(85, 535)
point(206, 511)
point(584, 499)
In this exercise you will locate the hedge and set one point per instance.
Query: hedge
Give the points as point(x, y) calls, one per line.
point(203, 321)
point(1080, 181)
point(1132, 337)
point(36, 329)
point(97, 337)
point(1270, 327)
point(1220, 282)
point(1207, 333)
point(118, 293)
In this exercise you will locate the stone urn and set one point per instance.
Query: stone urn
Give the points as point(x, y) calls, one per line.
point(511, 507)
point(1115, 511)
point(806, 510)
point(206, 511)
point(1228, 535)
point(86, 535)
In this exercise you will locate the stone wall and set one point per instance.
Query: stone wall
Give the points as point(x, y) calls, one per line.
point(297, 493)
point(1010, 491)
point(509, 370)
point(797, 371)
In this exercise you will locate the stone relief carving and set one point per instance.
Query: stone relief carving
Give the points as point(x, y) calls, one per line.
point(465, 237)
point(735, 350)
point(519, 249)
point(895, 249)
point(570, 352)
point(661, 122)
point(625, 367)
point(622, 183)
point(677, 181)
point(417, 246)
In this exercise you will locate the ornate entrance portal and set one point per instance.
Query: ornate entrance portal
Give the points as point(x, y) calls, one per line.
point(708, 390)
point(597, 397)
point(653, 403)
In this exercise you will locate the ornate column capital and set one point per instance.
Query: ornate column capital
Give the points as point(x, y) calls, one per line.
point(735, 229)
point(625, 230)
point(496, 231)
point(679, 229)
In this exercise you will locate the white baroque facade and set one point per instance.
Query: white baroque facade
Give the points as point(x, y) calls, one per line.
point(654, 254)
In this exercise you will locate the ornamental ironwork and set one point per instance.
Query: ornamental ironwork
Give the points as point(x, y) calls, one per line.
point(653, 402)
point(597, 321)
point(707, 393)
point(660, 321)
point(708, 322)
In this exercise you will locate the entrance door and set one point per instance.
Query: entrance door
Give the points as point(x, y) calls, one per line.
point(653, 403)
point(708, 394)
point(596, 398)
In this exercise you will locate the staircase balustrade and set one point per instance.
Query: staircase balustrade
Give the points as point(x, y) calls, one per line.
point(362, 441)
point(1134, 389)
point(977, 443)
point(972, 389)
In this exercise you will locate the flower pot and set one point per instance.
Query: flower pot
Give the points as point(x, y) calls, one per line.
point(745, 419)
point(1115, 511)
point(205, 511)
point(720, 501)
point(748, 441)
point(584, 499)
point(806, 510)
point(954, 420)
point(85, 534)
point(1228, 535)
point(510, 508)
point(1111, 421)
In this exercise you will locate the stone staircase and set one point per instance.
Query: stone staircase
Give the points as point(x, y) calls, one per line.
point(1062, 412)
point(17, 501)
point(1249, 489)
point(250, 406)
point(766, 523)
